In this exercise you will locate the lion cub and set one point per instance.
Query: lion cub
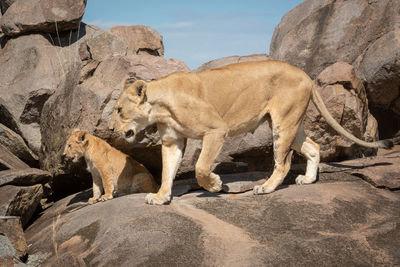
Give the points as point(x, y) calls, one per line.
point(112, 170)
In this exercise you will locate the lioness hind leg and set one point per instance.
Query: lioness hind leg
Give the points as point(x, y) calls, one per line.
point(283, 156)
point(310, 150)
point(212, 144)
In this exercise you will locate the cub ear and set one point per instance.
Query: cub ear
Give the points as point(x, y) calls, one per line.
point(138, 89)
point(130, 80)
point(82, 137)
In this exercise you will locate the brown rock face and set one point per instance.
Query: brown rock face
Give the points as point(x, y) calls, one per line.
point(10, 227)
point(344, 95)
point(142, 39)
point(365, 34)
point(42, 16)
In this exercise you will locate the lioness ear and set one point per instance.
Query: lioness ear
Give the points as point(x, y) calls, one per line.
point(138, 89)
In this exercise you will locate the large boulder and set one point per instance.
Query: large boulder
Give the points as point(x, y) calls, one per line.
point(25, 64)
point(20, 201)
point(317, 34)
point(88, 105)
point(47, 16)
point(345, 97)
point(343, 223)
point(15, 144)
point(142, 39)
point(217, 63)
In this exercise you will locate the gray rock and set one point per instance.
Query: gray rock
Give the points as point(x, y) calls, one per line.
point(316, 34)
point(142, 39)
point(15, 144)
point(24, 177)
point(25, 64)
point(5, 4)
point(105, 46)
point(9, 160)
point(10, 227)
point(331, 221)
point(20, 201)
point(42, 16)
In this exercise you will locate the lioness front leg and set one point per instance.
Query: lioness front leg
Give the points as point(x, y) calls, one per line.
point(212, 144)
point(172, 149)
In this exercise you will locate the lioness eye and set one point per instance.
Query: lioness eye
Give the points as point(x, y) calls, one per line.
point(69, 145)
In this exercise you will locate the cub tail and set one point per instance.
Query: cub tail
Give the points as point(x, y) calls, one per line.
point(319, 104)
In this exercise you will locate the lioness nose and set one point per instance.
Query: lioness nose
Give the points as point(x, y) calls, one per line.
point(112, 129)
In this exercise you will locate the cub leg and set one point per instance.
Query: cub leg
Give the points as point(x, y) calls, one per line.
point(97, 189)
point(107, 185)
point(172, 149)
point(282, 155)
point(212, 144)
point(310, 151)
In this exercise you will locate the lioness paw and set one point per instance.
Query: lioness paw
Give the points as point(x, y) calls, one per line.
point(260, 189)
point(214, 185)
point(156, 199)
point(302, 179)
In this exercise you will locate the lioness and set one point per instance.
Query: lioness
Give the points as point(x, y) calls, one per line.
point(222, 102)
point(111, 170)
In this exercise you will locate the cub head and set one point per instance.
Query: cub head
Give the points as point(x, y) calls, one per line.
point(76, 145)
point(131, 111)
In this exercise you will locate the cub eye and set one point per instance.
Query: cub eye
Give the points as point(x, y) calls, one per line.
point(69, 145)
point(119, 110)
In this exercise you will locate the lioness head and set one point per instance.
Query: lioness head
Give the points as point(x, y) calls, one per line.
point(131, 111)
point(76, 145)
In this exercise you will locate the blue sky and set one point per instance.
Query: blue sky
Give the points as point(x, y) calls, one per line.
point(198, 31)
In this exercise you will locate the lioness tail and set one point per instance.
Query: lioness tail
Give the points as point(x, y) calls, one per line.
point(319, 104)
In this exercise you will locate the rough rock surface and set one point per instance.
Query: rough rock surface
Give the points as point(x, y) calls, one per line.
point(343, 223)
point(142, 39)
point(382, 171)
point(14, 142)
point(217, 63)
point(10, 227)
point(20, 201)
point(4, 5)
point(42, 16)
point(24, 177)
point(25, 64)
point(345, 97)
point(316, 34)
point(9, 161)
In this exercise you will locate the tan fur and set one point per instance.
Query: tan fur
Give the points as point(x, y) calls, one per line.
point(112, 170)
point(217, 103)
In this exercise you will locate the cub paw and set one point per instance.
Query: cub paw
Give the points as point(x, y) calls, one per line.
point(93, 200)
point(156, 199)
point(260, 190)
point(105, 197)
